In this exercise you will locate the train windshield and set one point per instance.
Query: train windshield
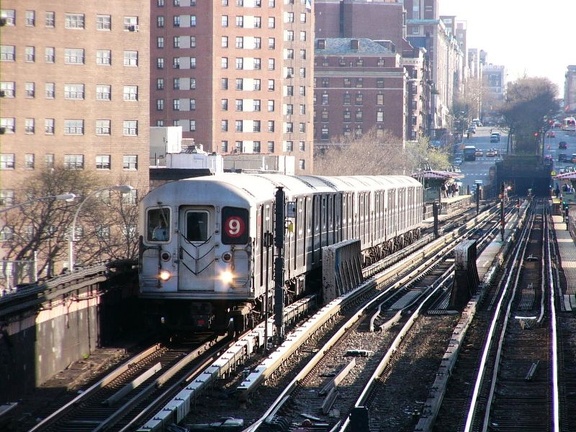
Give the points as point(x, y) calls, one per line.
point(197, 226)
point(158, 224)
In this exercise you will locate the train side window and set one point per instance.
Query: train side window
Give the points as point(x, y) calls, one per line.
point(158, 224)
point(197, 226)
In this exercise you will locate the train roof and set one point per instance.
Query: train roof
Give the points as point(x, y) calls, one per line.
point(261, 187)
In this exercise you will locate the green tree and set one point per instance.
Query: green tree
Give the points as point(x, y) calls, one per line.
point(529, 101)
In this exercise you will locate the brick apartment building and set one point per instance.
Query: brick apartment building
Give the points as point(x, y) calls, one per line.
point(74, 92)
point(359, 85)
point(236, 75)
point(74, 88)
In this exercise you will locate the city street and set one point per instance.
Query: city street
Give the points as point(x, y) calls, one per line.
point(480, 168)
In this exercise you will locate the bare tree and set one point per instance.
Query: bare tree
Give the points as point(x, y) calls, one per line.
point(104, 221)
point(375, 153)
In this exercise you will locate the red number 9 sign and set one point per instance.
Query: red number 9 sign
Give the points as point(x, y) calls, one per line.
point(234, 225)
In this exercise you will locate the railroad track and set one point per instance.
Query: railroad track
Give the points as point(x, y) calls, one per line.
point(507, 377)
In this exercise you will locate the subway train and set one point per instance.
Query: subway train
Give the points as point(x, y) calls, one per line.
point(207, 244)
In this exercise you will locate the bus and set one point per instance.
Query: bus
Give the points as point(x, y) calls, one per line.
point(469, 153)
point(569, 124)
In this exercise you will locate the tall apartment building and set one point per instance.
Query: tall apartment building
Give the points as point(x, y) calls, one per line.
point(360, 85)
point(74, 90)
point(570, 90)
point(236, 75)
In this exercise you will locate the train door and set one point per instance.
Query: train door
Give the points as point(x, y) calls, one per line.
point(196, 249)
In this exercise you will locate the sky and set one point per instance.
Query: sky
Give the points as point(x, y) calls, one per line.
point(527, 37)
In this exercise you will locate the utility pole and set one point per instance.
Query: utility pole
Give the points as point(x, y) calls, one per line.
point(279, 226)
point(502, 191)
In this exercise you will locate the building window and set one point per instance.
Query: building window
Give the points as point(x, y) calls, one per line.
point(380, 82)
point(192, 20)
point(130, 23)
point(257, 84)
point(271, 64)
point(103, 92)
point(224, 146)
point(271, 22)
point(103, 127)
point(176, 104)
point(49, 126)
point(257, 105)
point(73, 127)
point(160, 42)
point(239, 42)
point(74, 91)
point(347, 99)
point(176, 20)
point(104, 57)
point(159, 83)
point(380, 99)
point(49, 160)
point(224, 63)
point(74, 56)
point(130, 58)
point(130, 128)
point(290, 35)
point(359, 82)
point(270, 105)
point(347, 115)
point(49, 55)
point(74, 21)
point(224, 104)
point(160, 63)
point(8, 89)
point(30, 90)
point(7, 53)
point(270, 145)
point(29, 54)
point(50, 90)
point(224, 83)
point(74, 161)
point(29, 126)
point(159, 104)
point(176, 84)
point(160, 21)
point(50, 19)
point(224, 20)
point(257, 43)
point(239, 21)
point(192, 125)
point(131, 93)
point(289, 146)
point(6, 200)
point(7, 161)
point(224, 125)
point(29, 161)
point(359, 99)
point(239, 126)
point(130, 162)
point(271, 85)
point(256, 147)
point(224, 42)
point(239, 84)
point(256, 126)
point(302, 164)
point(270, 125)
point(257, 22)
point(192, 62)
point(192, 83)
point(103, 162)
point(103, 22)
point(239, 105)
point(176, 42)
point(239, 63)
point(271, 43)
point(192, 41)
point(8, 124)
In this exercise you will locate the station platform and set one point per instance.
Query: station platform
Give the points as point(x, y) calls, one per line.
point(567, 250)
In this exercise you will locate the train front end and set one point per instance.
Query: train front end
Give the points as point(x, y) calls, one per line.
point(195, 268)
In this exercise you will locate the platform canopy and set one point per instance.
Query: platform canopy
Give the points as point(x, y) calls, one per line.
point(441, 175)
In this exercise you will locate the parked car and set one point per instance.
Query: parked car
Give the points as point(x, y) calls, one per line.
point(494, 137)
point(563, 145)
point(479, 153)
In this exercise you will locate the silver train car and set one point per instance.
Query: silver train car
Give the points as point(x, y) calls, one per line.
point(206, 252)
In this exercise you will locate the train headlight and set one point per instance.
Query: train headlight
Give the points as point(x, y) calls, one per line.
point(227, 277)
point(164, 275)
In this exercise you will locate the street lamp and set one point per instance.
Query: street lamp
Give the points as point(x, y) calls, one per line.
point(72, 234)
point(68, 197)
